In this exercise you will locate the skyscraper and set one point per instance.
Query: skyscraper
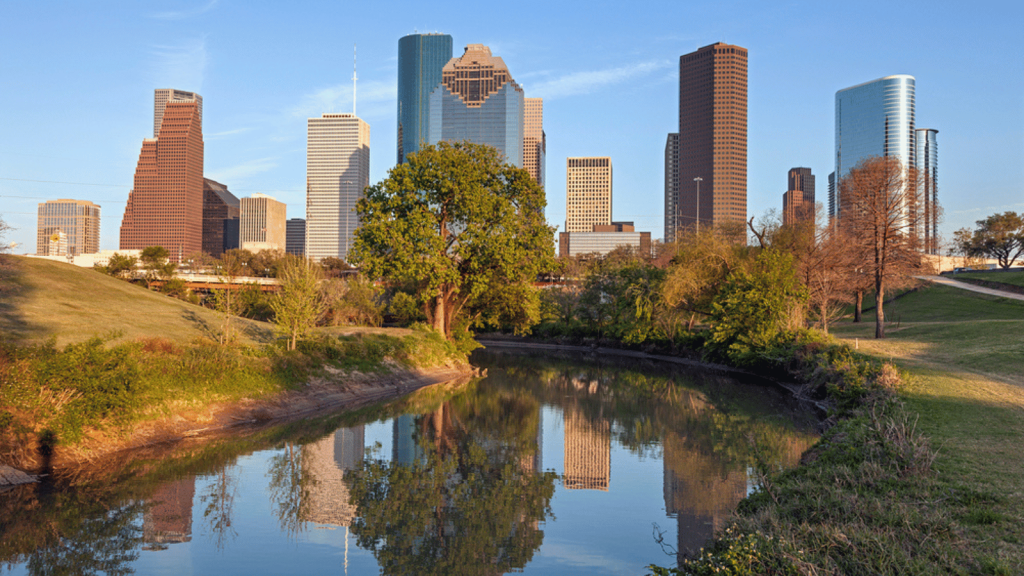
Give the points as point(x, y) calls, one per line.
point(262, 223)
point(875, 118)
point(337, 172)
point(927, 162)
point(420, 60)
point(165, 205)
point(713, 135)
point(588, 193)
point(295, 236)
point(477, 100)
point(798, 200)
point(220, 218)
point(77, 220)
point(671, 187)
point(534, 139)
point(162, 96)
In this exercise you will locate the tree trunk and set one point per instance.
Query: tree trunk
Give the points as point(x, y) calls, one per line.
point(859, 305)
point(439, 315)
point(879, 314)
point(824, 316)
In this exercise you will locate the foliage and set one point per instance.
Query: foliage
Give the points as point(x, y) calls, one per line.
point(121, 266)
point(754, 311)
point(155, 264)
point(999, 236)
point(700, 264)
point(178, 288)
point(355, 301)
point(405, 309)
point(737, 554)
point(455, 223)
point(335, 267)
point(300, 303)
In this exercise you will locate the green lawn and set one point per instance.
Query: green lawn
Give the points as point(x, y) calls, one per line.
point(965, 354)
point(42, 299)
point(1015, 278)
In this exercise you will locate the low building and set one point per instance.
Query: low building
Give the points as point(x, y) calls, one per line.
point(101, 258)
point(603, 239)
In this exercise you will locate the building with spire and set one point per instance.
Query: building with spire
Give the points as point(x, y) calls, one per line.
point(478, 101)
point(165, 205)
point(421, 57)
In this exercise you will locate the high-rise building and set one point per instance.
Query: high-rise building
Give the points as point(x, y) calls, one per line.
point(337, 172)
point(713, 135)
point(420, 60)
point(219, 208)
point(534, 139)
point(798, 200)
point(162, 96)
point(588, 193)
point(477, 100)
point(76, 223)
point(261, 224)
point(875, 118)
point(832, 206)
point(671, 187)
point(927, 162)
point(295, 236)
point(165, 205)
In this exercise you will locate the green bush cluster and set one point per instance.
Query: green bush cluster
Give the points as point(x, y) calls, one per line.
point(737, 554)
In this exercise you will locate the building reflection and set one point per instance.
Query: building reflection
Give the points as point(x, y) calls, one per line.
point(588, 448)
point(326, 462)
point(169, 518)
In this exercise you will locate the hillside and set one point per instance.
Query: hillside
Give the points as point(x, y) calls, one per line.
point(42, 299)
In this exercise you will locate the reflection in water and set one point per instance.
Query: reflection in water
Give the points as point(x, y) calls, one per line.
point(454, 481)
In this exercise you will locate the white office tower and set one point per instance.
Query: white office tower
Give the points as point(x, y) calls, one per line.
point(337, 172)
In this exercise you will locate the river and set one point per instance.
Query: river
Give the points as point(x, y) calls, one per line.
point(555, 463)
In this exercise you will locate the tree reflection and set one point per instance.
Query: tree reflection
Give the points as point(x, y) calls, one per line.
point(102, 543)
point(290, 487)
point(219, 504)
point(469, 503)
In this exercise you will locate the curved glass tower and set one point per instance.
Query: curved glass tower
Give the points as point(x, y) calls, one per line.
point(421, 57)
point(927, 160)
point(874, 119)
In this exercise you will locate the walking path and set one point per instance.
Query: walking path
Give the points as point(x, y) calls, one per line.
point(973, 288)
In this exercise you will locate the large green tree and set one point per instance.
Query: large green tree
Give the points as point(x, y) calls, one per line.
point(300, 302)
point(1000, 236)
point(456, 223)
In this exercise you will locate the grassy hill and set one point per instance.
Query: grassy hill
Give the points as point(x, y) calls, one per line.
point(965, 354)
point(41, 299)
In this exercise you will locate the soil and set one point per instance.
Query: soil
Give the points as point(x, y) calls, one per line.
point(337, 391)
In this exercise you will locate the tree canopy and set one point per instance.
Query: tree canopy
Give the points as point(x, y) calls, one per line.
point(999, 236)
point(460, 226)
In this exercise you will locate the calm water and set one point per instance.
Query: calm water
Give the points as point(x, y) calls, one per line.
point(550, 465)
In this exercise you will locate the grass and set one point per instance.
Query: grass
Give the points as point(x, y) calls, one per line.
point(1013, 277)
point(965, 355)
point(43, 299)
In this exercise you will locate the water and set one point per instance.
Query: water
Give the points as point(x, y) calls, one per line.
point(551, 465)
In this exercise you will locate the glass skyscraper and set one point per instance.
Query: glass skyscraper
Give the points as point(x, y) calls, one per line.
point(421, 57)
point(927, 160)
point(477, 100)
point(873, 119)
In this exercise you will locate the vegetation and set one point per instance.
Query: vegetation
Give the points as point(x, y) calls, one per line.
point(999, 236)
point(1011, 278)
point(462, 229)
point(300, 303)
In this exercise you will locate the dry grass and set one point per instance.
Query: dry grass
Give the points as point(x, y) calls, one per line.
point(44, 299)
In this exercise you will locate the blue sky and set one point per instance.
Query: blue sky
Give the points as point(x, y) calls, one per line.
point(77, 81)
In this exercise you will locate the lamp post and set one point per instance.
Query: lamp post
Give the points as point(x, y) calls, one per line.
point(698, 180)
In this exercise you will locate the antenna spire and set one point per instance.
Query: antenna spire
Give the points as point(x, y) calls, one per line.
point(353, 79)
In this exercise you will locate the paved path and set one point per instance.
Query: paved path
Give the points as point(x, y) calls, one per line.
point(973, 288)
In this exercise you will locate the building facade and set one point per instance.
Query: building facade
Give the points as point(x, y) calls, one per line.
point(74, 223)
point(535, 145)
point(261, 224)
point(588, 193)
point(162, 96)
point(602, 239)
point(875, 118)
point(165, 205)
point(337, 172)
point(927, 162)
point(713, 136)
point(477, 100)
point(421, 57)
point(219, 208)
point(798, 200)
point(672, 222)
point(295, 237)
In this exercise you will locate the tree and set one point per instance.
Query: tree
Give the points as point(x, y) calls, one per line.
point(155, 263)
point(880, 216)
point(300, 304)
point(230, 266)
point(455, 223)
point(121, 266)
point(700, 265)
point(1000, 236)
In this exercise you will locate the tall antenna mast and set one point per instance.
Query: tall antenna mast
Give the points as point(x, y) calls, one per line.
point(353, 79)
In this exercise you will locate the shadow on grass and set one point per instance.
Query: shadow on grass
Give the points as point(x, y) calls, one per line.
point(15, 289)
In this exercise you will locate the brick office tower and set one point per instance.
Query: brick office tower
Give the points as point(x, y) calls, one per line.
point(713, 136)
point(535, 144)
point(165, 206)
point(798, 200)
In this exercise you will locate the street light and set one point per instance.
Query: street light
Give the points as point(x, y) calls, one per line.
point(698, 180)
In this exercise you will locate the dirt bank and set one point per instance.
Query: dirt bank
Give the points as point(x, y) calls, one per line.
point(336, 391)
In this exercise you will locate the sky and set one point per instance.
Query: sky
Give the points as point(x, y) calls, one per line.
point(77, 81)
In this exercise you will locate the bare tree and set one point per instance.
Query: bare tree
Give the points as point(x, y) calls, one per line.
point(880, 217)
